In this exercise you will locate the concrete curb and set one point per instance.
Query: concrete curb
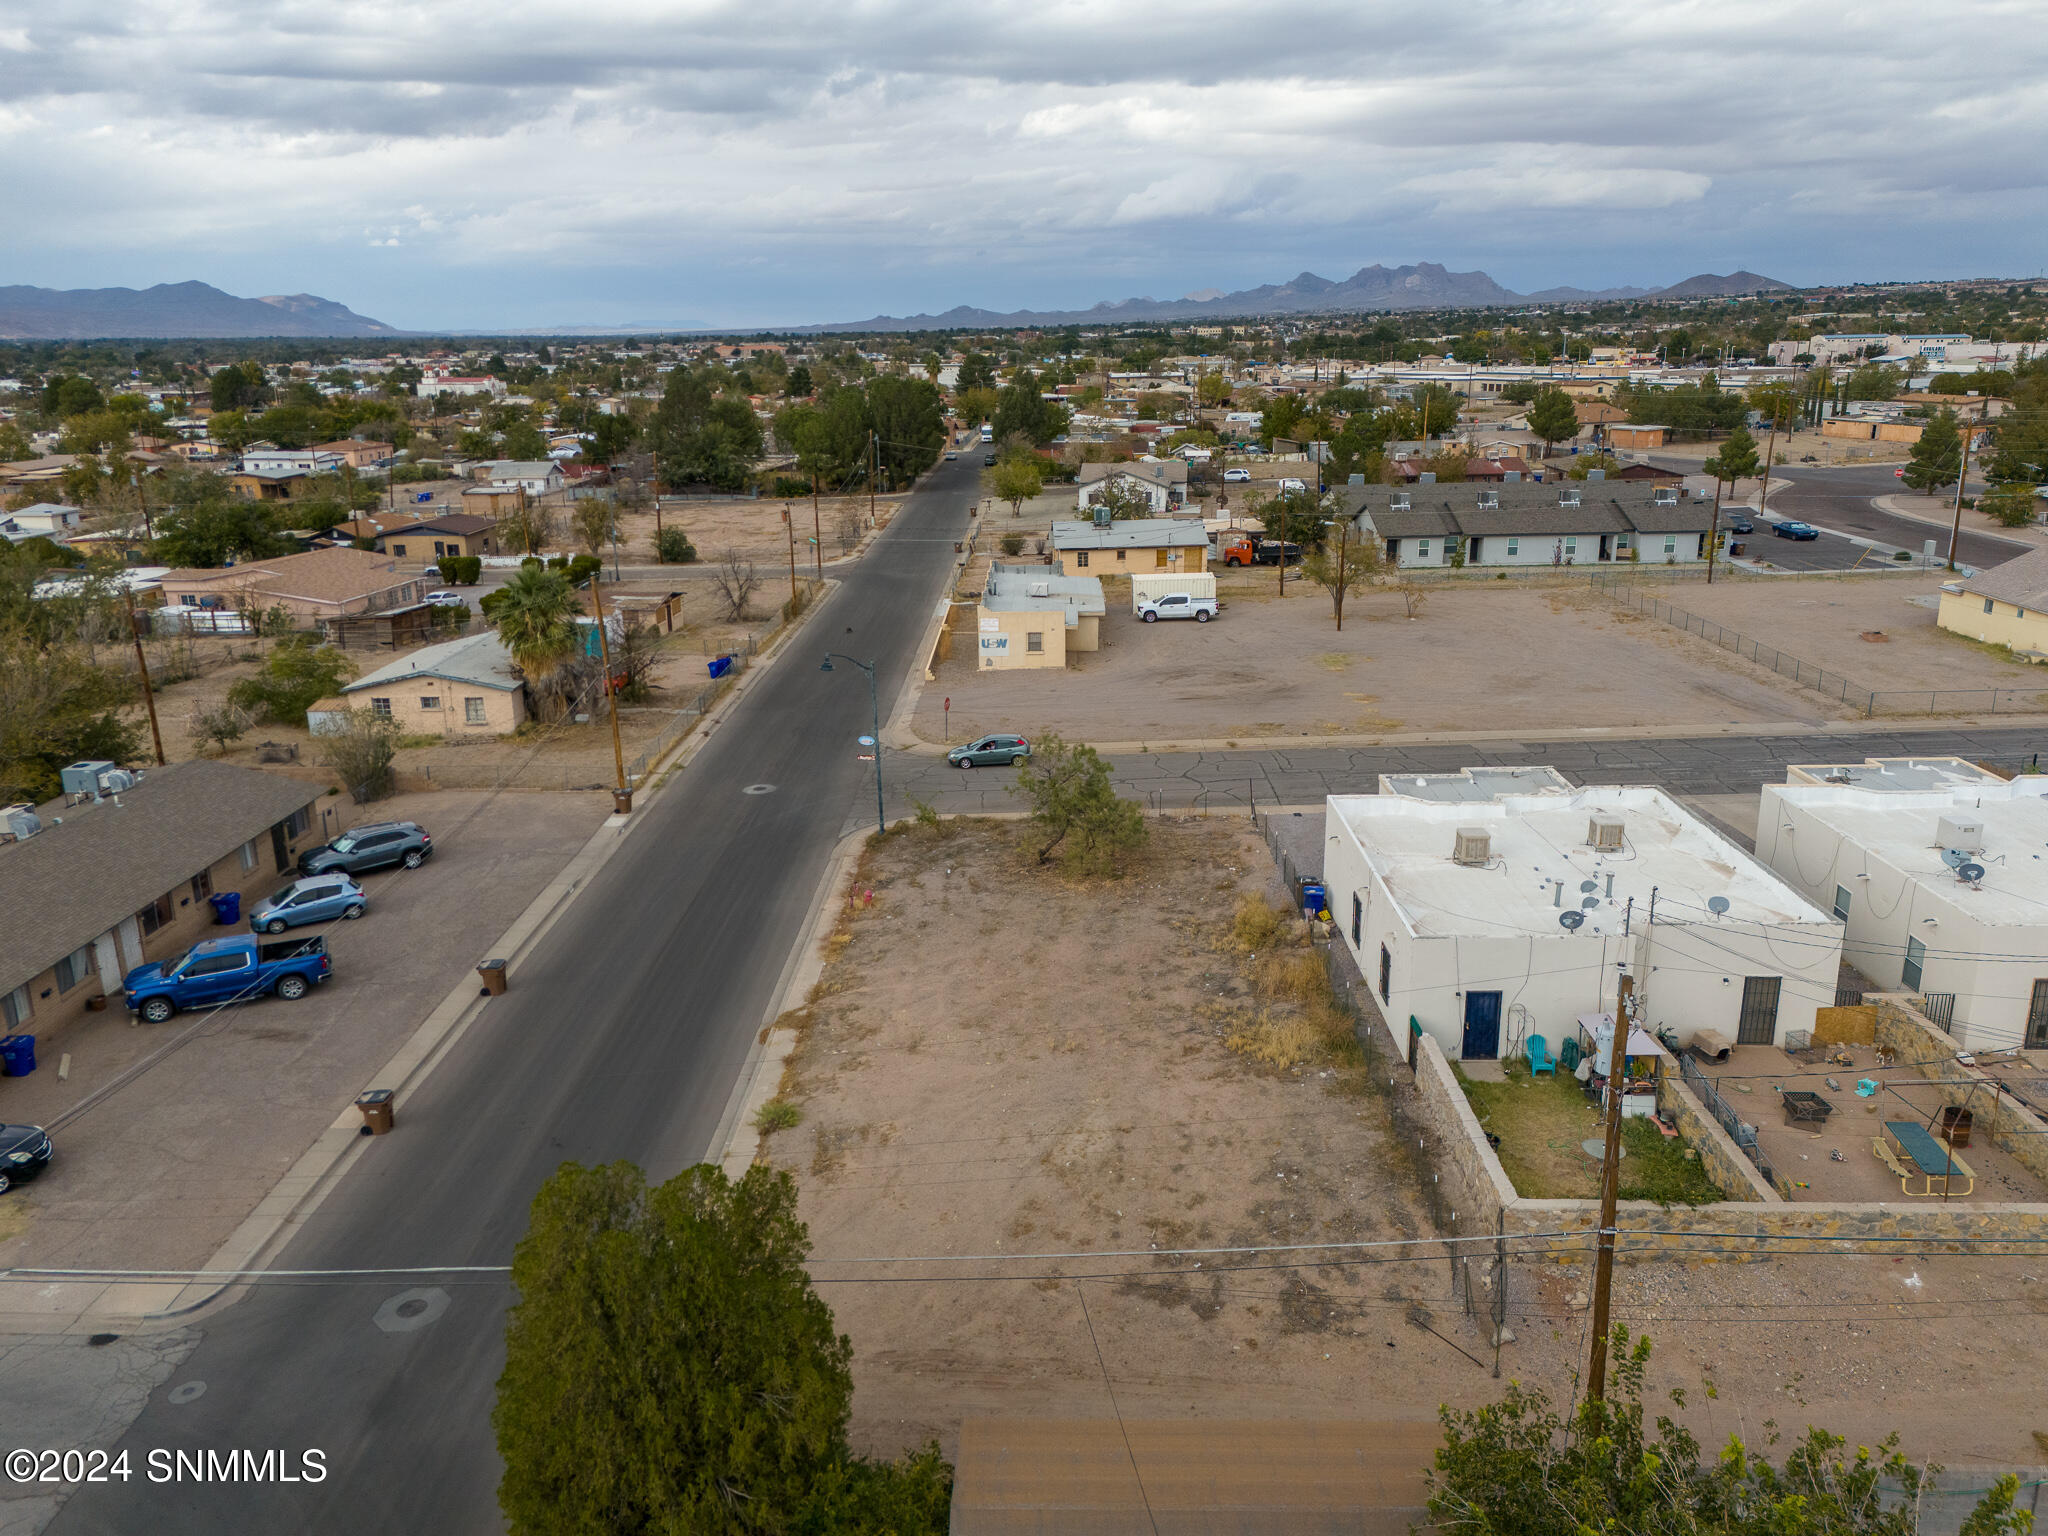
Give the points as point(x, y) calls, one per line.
point(736, 1142)
point(76, 1306)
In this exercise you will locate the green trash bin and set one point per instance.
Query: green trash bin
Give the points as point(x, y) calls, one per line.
point(1568, 1055)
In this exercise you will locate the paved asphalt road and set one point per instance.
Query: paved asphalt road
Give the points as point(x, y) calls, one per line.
point(622, 1037)
point(1840, 500)
point(1302, 775)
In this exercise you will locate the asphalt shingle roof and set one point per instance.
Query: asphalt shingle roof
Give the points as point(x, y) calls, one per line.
point(2022, 582)
point(1527, 508)
point(70, 883)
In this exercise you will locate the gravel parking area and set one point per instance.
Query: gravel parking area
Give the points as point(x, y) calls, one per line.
point(162, 1169)
point(1476, 658)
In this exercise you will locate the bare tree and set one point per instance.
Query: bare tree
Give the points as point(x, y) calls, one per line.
point(222, 727)
point(1346, 563)
point(596, 519)
point(1414, 595)
point(737, 582)
point(361, 752)
point(849, 529)
point(528, 528)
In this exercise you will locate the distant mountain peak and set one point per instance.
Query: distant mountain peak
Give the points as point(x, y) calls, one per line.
point(188, 309)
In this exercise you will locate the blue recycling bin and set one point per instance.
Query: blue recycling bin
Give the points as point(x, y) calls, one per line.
point(227, 907)
point(17, 1055)
point(719, 666)
point(1314, 899)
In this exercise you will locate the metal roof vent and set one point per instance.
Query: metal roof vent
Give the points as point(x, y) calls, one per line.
point(20, 822)
point(1604, 830)
point(1965, 833)
point(1427, 477)
point(1474, 847)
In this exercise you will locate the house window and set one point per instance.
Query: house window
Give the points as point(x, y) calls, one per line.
point(439, 548)
point(1357, 921)
point(1120, 557)
point(202, 885)
point(1988, 605)
point(1916, 962)
point(381, 708)
point(248, 855)
point(1422, 549)
point(1080, 559)
point(473, 712)
point(430, 701)
point(295, 825)
point(1842, 902)
point(1034, 641)
point(1386, 974)
point(1571, 545)
point(14, 1009)
point(1621, 541)
point(1514, 546)
point(1670, 543)
point(74, 968)
point(155, 915)
point(398, 549)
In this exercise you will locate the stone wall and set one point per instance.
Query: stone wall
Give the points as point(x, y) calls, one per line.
point(1730, 1233)
point(1720, 1159)
point(1914, 1039)
point(1479, 1187)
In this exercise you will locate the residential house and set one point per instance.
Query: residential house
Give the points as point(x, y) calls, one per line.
point(1646, 474)
point(1488, 906)
point(270, 484)
point(1635, 439)
point(438, 381)
point(536, 477)
point(43, 520)
point(1933, 874)
point(35, 474)
point(1035, 615)
point(269, 459)
point(466, 687)
point(374, 525)
point(1162, 482)
point(458, 533)
point(1132, 544)
point(320, 585)
point(1573, 522)
point(354, 452)
point(2004, 605)
point(105, 886)
point(1498, 470)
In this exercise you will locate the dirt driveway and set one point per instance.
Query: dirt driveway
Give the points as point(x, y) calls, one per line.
point(999, 1061)
point(1476, 658)
point(162, 1169)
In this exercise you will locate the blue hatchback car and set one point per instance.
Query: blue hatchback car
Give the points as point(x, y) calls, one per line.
point(315, 899)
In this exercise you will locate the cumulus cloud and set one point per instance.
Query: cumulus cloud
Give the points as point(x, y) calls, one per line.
point(783, 159)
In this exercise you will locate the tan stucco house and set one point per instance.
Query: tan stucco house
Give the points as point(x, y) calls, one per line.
point(2006, 605)
point(1035, 616)
point(466, 687)
point(1132, 544)
point(320, 585)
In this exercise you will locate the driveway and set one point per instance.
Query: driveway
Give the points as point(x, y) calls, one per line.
point(158, 1161)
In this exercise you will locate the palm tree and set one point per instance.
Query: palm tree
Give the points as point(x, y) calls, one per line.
point(536, 617)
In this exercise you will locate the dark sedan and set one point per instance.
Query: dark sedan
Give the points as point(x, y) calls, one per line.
point(1795, 530)
point(1741, 525)
point(25, 1151)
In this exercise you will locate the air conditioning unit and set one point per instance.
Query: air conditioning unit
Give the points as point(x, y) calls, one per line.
point(1473, 848)
point(1567, 498)
point(18, 823)
point(1400, 502)
point(116, 781)
point(1041, 589)
point(1605, 831)
point(1489, 498)
point(83, 778)
point(1964, 833)
point(1665, 496)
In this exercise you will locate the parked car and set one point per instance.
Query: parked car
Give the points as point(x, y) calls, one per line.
point(1177, 605)
point(1292, 485)
point(315, 899)
point(227, 970)
point(1795, 530)
point(988, 458)
point(374, 845)
point(1741, 525)
point(446, 599)
point(990, 751)
point(1236, 476)
point(25, 1151)
point(951, 455)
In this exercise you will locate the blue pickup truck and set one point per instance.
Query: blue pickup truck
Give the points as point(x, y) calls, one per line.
point(227, 971)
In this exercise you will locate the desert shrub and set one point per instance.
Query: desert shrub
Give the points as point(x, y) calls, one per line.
point(777, 1114)
point(1258, 923)
point(672, 546)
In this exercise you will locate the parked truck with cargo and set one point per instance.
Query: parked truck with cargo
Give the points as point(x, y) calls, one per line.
point(231, 970)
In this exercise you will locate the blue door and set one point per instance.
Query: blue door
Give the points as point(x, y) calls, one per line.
point(1482, 1026)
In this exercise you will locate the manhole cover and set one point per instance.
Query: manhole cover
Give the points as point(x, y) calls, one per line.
point(758, 789)
point(411, 1309)
point(189, 1391)
point(1595, 1147)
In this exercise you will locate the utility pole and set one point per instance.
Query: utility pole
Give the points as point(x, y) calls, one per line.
point(1610, 1187)
point(874, 472)
point(817, 534)
point(1955, 528)
point(622, 797)
point(789, 523)
point(156, 736)
point(654, 484)
point(142, 500)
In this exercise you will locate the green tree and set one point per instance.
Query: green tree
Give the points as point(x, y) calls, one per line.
point(206, 526)
point(361, 752)
point(1016, 479)
point(233, 390)
point(1937, 459)
point(670, 1368)
point(672, 546)
point(798, 385)
point(1281, 418)
point(1517, 1467)
point(1124, 498)
point(66, 397)
point(1296, 516)
point(2013, 505)
point(596, 521)
point(1873, 381)
point(1073, 802)
point(1022, 408)
point(1584, 464)
point(536, 617)
point(1347, 562)
point(702, 438)
point(295, 676)
point(57, 707)
point(1735, 460)
point(1554, 418)
point(976, 372)
point(1212, 389)
point(909, 418)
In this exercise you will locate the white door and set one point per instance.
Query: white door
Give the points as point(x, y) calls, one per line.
point(108, 960)
point(130, 934)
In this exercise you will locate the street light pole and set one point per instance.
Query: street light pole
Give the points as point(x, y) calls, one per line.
point(875, 710)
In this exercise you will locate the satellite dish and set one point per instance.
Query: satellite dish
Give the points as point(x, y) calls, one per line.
point(1954, 858)
point(1590, 903)
point(1570, 920)
point(1970, 872)
point(1717, 905)
point(1588, 886)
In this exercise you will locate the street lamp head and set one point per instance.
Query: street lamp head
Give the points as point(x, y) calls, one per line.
point(827, 667)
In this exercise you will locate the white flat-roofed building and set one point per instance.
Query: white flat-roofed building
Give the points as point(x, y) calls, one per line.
point(1501, 903)
point(1943, 888)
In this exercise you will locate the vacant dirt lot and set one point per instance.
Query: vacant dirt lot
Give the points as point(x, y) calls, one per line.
point(1475, 658)
point(754, 526)
point(999, 1061)
point(1826, 621)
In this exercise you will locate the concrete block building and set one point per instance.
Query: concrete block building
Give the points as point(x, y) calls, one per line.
point(1034, 616)
point(1495, 904)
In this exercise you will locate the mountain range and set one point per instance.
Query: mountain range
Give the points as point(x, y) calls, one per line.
point(172, 310)
point(1425, 285)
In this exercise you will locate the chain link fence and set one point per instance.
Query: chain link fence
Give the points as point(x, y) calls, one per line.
point(1739, 1131)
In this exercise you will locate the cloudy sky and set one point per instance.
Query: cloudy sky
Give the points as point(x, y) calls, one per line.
point(681, 162)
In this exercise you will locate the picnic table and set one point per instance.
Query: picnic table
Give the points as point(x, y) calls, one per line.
point(1937, 1166)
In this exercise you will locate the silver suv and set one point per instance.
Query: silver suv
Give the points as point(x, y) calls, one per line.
point(374, 845)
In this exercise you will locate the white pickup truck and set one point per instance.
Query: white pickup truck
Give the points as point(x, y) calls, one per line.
point(1177, 605)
